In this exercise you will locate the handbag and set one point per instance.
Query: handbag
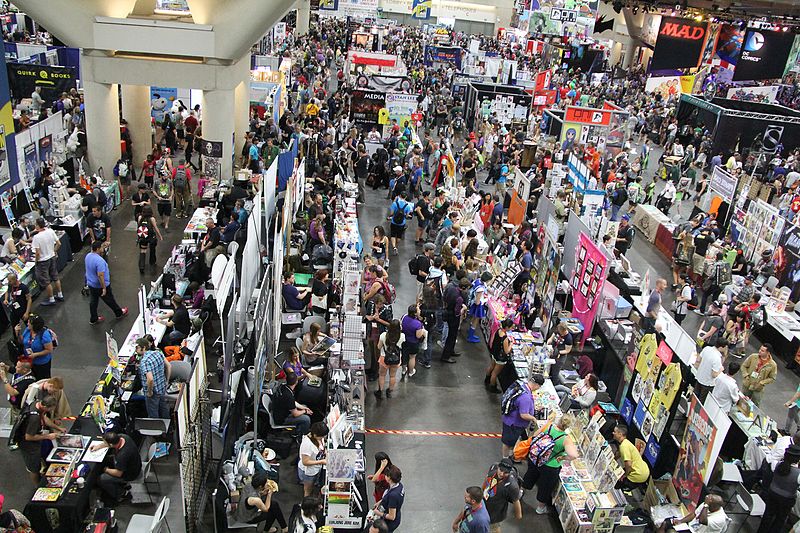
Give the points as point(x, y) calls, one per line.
point(14, 350)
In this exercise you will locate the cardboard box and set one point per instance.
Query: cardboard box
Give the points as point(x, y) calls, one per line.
point(667, 490)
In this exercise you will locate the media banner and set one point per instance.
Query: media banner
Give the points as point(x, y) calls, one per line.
point(443, 54)
point(694, 468)
point(161, 100)
point(764, 55)
point(329, 5)
point(761, 95)
point(421, 9)
point(729, 45)
point(401, 106)
point(587, 282)
point(24, 79)
point(680, 44)
point(368, 107)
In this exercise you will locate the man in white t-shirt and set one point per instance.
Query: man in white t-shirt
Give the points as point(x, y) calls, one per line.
point(45, 245)
point(726, 391)
point(708, 366)
point(707, 518)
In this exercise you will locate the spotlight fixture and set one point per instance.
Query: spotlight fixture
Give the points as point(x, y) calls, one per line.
point(635, 10)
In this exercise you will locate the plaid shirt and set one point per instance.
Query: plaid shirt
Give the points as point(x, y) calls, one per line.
point(153, 361)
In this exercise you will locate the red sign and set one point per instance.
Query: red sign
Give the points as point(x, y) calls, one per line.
point(683, 31)
point(585, 115)
point(544, 98)
point(385, 61)
point(543, 80)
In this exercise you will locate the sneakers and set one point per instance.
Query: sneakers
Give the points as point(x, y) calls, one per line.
point(48, 303)
point(59, 298)
point(378, 394)
point(699, 312)
point(426, 365)
point(99, 319)
point(124, 313)
point(412, 373)
point(388, 393)
point(448, 360)
point(541, 509)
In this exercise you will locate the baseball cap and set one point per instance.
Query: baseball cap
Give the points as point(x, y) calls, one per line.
point(429, 246)
point(398, 168)
point(626, 217)
point(537, 378)
point(506, 465)
point(749, 277)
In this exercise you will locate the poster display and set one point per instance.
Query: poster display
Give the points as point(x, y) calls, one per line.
point(401, 106)
point(694, 468)
point(342, 494)
point(762, 95)
point(680, 44)
point(210, 157)
point(161, 100)
point(587, 282)
point(729, 45)
point(24, 79)
point(421, 9)
point(562, 17)
point(787, 255)
point(32, 168)
point(443, 54)
point(368, 107)
point(764, 55)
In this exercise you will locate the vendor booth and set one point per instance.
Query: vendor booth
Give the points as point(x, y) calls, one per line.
point(511, 105)
point(741, 125)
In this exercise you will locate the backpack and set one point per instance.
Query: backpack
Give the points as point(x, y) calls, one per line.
point(758, 317)
point(122, 169)
point(693, 301)
point(413, 265)
point(179, 181)
point(17, 433)
point(542, 445)
point(399, 216)
point(161, 167)
point(391, 354)
point(510, 395)
point(143, 232)
point(389, 293)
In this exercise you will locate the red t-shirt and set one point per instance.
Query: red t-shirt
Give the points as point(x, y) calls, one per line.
point(381, 484)
point(148, 168)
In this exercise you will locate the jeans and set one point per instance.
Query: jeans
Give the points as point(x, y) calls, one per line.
point(712, 292)
point(156, 406)
point(614, 212)
point(270, 516)
point(792, 418)
point(112, 487)
point(546, 477)
point(95, 295)
point(303, 423)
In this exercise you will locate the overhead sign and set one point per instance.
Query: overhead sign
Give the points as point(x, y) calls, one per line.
point(680, 44)
point(543, 80)
point(443, 54)
point(764, 55)
point(24, 79)
point(368, 107)
point(421, 9)
point(585, 115)
point(564, 15)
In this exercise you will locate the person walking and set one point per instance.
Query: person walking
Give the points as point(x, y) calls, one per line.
point(98, 278)
point(500, 489)
point(17, 299)
point(45, 245)
point(182, 185)
point(758, 371)
point(782, 492)
point(154, 372)
point(390, 355)
point(147, 236)
point(165, 195)
point(389, 508)
point(793, 415)
point(474, 518)
point(399, 213)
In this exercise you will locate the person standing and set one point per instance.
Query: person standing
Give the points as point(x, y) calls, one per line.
point(120, 467)
point(182, 185)
point(17, 299)
point(726, 391)
point(546, 474)
point(37, 345)
point(758, 371)
point(682, 299)
point(625, 235)
point(99, 225)
point(636, 470)
point(140, 199)
point(708, 367)
point(399, 212)
point(474, 518)
point(147, 236)
point(154, 373)
point(793, 415)
point(21, 378)
point(45, 247)
point(500, 489)
point(98, 277)
point(454, 310)
point(164, 197)
point(520, 413)
point(654, 305)
point(35, 432)
point(389, 508)
point(782, 492)
point(311, 456)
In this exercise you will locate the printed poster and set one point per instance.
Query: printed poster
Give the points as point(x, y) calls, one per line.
point(639, 415)
point(45, 148)
point(651, 450)
point(32, 169)
point(161, 100)
point(647, 354)
point(421, 9)
point(696, 460)
point(627, 411)
point(587, 282)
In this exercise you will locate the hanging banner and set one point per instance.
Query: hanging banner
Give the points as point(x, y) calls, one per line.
point(519, 199)
point(443, 54)
point(421, 9)
point(24, 79)
point(329, 5)
point(161, 100)
point(729, 45)
point(9, 171)
point(587, 282)
point(45, 148)
point(382, 83)
point(31, 165)
point(680, 44)
point(694, 468)
point(368, 107)
point(401, 106)
point(764, 55)
point(211, 155)
point(761, 95)
point(543, 80)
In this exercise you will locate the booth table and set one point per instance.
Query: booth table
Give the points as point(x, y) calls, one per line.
point(648, 219)
point(197, 224)
point(745, 430)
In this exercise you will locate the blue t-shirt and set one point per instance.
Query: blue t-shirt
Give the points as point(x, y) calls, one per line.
point(403, 206)
point(393, 499)
point(94, 265)
point(476, 521)
point(36, 344)
point(290, 294)
point(526, 261)
point(253, 152)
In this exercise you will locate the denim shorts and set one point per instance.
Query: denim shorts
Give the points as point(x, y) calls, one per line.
point(303, 477)
point(511, 434)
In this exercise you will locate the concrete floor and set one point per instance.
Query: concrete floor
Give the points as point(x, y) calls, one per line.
point(80, 357)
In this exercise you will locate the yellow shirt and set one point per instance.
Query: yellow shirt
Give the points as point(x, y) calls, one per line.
point(639, 469)
point(312, 110)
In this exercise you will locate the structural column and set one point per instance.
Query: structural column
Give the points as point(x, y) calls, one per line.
point(102, 120)
point(241, 119)
point(136, 110)
point(303, 16)
point(219, 124)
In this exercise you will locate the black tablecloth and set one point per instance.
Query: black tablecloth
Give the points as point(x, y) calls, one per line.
point(64, 252)
point(73, 235)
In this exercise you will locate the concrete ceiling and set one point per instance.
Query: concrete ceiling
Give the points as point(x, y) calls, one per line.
point(237, 24)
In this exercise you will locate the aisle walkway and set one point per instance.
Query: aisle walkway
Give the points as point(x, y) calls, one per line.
point(444, 398)
point(81, 355)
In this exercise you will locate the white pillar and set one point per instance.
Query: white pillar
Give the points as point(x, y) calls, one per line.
point(219, 124)
point(136, 110)
point(102, 120)
point(241, 122)
point(303, 16)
